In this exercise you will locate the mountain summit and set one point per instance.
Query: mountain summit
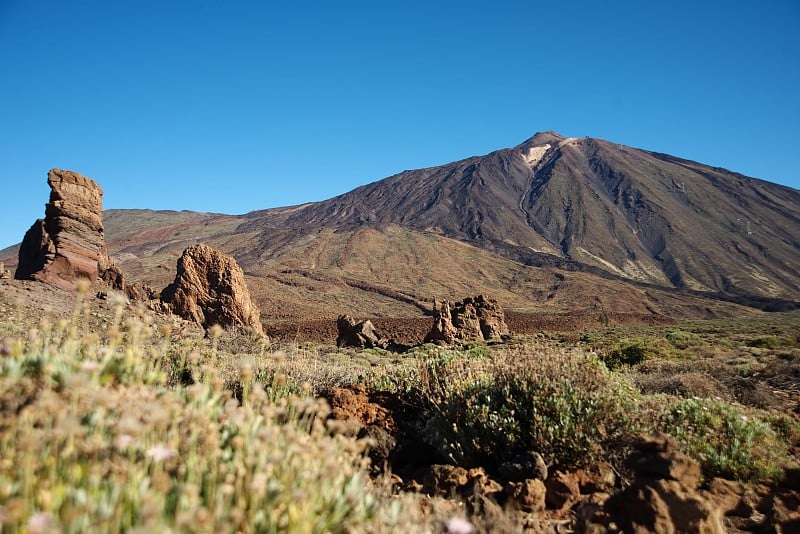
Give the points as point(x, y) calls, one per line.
point(640, 215)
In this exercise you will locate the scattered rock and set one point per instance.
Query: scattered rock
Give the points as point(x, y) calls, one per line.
point(110, 273)
point(69, 243)
point(598, 478)
point(563, 490)
point(664, 506)
point(210, 289)
point(358, 334)
point(529, 494)
point(785, 511)
point(481, 484)
point(354, 404)
point(382, 445)
point(444, 480)
point(732, 498)
point(663, 496)
point(658, 458)
point(524, 466)
point(473, 319)
point(139, 291)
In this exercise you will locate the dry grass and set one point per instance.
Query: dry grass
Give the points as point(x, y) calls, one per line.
point(112, 418)
point(93, 437)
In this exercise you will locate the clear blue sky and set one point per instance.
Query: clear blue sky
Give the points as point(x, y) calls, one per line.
point(235, 106)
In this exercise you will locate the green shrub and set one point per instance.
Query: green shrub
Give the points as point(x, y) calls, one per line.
point(726, 441)
point(625, 355)
point(787, 427)
point(563, 405)
point(683, 340)
point(633, 351)
point(766, 342)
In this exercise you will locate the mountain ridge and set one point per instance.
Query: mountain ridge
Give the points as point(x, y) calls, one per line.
point(550, 225)
point(636, 197)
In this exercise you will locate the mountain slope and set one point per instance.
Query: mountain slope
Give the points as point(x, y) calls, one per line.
point(389, 271)
point(644, 216)
point(553, 225)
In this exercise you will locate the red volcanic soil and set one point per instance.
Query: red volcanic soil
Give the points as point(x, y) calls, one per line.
point(412, 330)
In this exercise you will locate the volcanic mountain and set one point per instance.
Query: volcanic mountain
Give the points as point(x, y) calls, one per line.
point(641, 215)
point(554, 224)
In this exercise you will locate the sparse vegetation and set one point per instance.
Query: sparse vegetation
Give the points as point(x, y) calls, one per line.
point(564, 404)
point(92, 437)
point(726, 440)
point(121, 420)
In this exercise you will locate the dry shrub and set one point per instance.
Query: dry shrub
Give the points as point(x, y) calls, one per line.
point(564, 404)
point(727, 440)
point(692, 384)
point(93, 438)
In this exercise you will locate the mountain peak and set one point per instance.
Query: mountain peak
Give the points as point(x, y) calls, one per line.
point(543, 138)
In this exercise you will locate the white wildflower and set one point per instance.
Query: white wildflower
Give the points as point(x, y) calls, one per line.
point(459, 525)
point(160, 453)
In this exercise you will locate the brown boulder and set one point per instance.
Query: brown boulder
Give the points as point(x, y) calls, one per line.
point(443, 332)
point(563, 490)
point(381, 445)
point(210, 289)
point(139, 291)
point(445, 480)
point(597, 478)
point(358, 334)
point(354, 404)
point(657, 458)
point(4, 273)
point(69, 243)
point(529, 494)
point(664, 506)
point(472, 319)
point(732, 498)
point(663, 497)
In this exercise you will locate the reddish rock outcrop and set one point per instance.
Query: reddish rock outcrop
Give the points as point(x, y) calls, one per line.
point(354, 405)
point(139, 291)
point(663, 497)
point(210, 289)
point(473, 319)
point(69, 243)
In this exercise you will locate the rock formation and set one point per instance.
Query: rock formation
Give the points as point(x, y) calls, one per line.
point(473, 319)
point(4, 273)
point(210, 289)
point(358, 334)
point(68, 244)
point(139, 291)
point(663, 497)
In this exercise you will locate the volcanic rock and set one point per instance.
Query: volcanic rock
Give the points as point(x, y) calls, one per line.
point(210, 289)
point(663, 497)
point(353, 404)
point(444, 480)
point(381, 446)
point(358, 334)
point(68, 244)
point(442, 332)
point(563, 490)
point(530, 494)
point(525, 465)
point(473, 319)
point(4, 273)
point(139, 291)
